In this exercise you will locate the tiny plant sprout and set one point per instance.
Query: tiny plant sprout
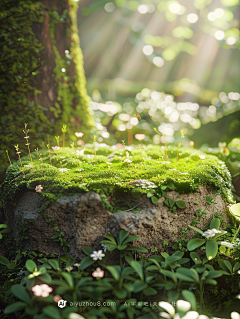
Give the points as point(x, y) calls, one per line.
point(26, 137)
point(57, 139)
point(18, 153)
point(182, 134)
point(179, 145)
point(48, 146)
point(123, 143)
point(64, 130)
point(72, 145)
point(155, 129)
point(9, 158)
point(40, 159)
point(94, 140)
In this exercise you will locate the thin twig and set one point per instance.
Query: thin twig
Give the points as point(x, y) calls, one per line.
point(133, 207)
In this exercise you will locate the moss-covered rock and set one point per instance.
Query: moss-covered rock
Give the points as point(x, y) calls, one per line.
point(69, 212)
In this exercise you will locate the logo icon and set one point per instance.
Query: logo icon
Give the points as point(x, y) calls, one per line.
point(62, 303)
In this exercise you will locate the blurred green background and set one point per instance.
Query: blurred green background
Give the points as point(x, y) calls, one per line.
point(173, 65)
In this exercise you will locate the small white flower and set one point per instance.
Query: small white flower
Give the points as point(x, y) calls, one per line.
point(74, 315)
point(79, 134)
point(183, 305)
point(69, 268)
point(42, 290)
point(39, 188)
point(227, 244)
point(191, 315)
point(210, 233)
point(97, 255)
point(80, 153)
point(64, 169)
point(202, 156)
point(127, 160)
point(98, 273)
point(235, 315)
point(169, 308)
point(55, 148)
point(76, 265)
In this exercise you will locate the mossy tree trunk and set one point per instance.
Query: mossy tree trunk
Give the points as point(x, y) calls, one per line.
point(62, 78)
point(41, 74)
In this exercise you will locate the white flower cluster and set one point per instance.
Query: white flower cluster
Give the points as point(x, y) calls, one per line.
point(185, 306)
point(211, 233)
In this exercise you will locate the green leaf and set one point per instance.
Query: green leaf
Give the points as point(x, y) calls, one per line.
point(122, 247)
point(54, 263)
point(173, 295)
point(87, 261)
point(111, 238)
point(215, 223)
point(171, 186)
point(222, 249)
point(46, 278)
point(141, 249)
point(189, 272)
point(196, 229)
point(225, 265)
point(184, 277)
point(30, 265)
point(195, 243)
point(210, 282)
point(135, 193)
point(16, 306)
point(213, 274)
point(131, 238)
point(122, 235)
point(114, 272)
point(154, 199)
point(52, 312)
point(190, 297)
point(87, 250)
point(11, 266)
point(120, 293)
point(195, 257)
point(149, 291)
point(171, 202)
point(139, 286)
point(4, 260)
point(68, 278)
point(236, 266)
point(64, 258)
point(211, 249)
point(149, 194)
point(3, 226)
point(181, 204)
point(20, 292)
point(138, 268)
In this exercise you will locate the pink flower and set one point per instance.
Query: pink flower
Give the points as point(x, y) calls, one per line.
point(140, 137)
point(119, 145)
point(42, 290)
point(79, 134)
point(57, 298)
point(38, 188)
point(80, 142)
point(55, 148)
point(98, 273)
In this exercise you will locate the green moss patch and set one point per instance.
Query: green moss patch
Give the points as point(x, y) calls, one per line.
point(113, 173)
